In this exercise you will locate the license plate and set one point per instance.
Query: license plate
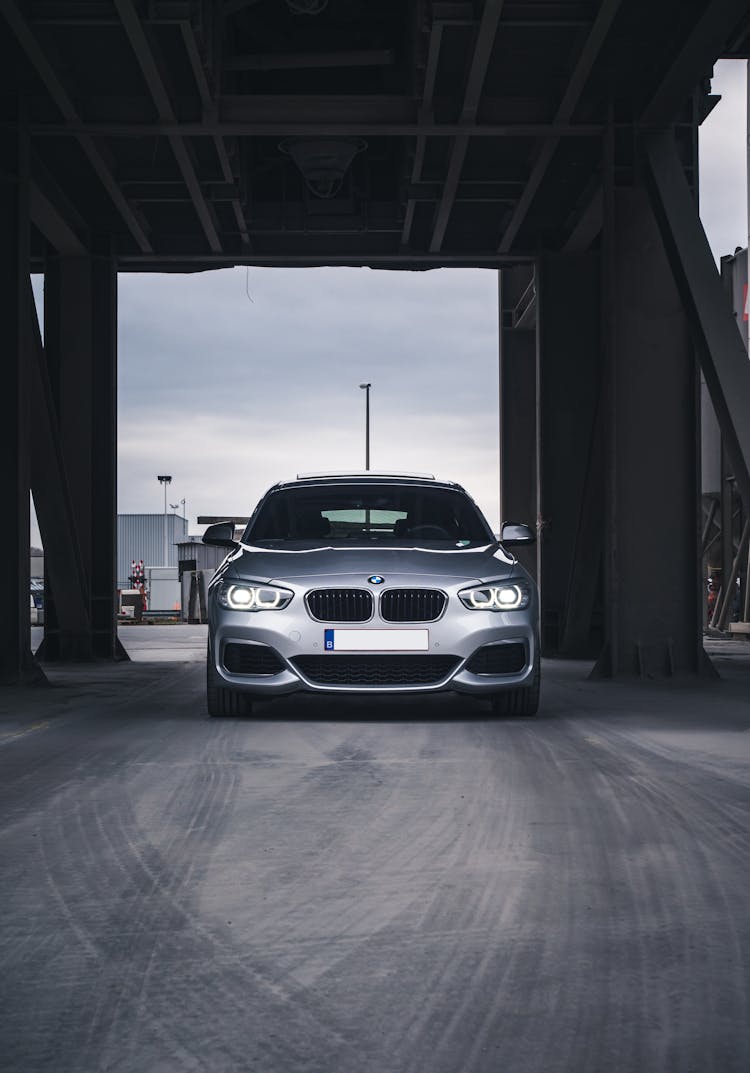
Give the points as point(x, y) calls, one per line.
point(377, 640)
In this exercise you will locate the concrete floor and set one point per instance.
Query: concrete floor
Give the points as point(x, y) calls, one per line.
point(354, 886)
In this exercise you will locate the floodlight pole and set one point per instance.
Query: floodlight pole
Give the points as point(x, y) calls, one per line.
point(366, 388)
point(165, 480)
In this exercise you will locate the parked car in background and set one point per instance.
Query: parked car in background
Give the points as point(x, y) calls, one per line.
point(372, 584)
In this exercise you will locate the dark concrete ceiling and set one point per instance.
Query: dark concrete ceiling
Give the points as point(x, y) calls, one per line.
point(173, 129)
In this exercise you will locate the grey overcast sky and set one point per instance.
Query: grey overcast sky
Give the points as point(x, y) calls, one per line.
point(230, 393)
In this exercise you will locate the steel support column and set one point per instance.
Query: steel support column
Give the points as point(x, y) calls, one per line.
point(66, 605)
point(69, 362)
point(570, 470)
point(16, 662)
point(517, 335)
point(718, 343)
point(653, 616)
point(104, 470)
point(80, 347)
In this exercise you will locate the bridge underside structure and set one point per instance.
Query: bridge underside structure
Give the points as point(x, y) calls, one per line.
point(555, 141)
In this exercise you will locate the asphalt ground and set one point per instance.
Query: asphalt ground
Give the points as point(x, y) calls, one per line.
point(341, 885)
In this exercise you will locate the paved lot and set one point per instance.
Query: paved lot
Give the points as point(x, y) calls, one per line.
point(350, 886)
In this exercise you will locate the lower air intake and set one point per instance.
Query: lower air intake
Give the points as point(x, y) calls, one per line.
point(251, 659)
point(377, 670)
point(507, 658)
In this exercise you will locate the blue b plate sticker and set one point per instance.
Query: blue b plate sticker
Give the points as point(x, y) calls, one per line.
point(376, 640)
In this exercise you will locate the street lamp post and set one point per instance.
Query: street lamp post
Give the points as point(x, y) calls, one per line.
point(366, 389)
point(165, 480)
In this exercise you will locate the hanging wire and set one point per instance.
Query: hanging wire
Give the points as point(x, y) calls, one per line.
point(247, 284)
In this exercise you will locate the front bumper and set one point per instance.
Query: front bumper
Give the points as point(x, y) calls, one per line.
point(293, 633)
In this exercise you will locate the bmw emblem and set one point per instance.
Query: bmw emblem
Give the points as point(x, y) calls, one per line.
point(376, 579)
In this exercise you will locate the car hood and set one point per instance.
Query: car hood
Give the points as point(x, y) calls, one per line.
point(485, 563)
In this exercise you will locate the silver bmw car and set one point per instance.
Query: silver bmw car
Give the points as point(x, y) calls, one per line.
point(370, 583)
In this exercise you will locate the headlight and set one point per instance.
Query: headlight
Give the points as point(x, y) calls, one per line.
point(512, 596)
point(247, 597)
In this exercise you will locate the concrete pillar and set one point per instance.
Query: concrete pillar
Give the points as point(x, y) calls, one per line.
point(81, 359)
point(518, 477)
point(570, 453)
point(653, 616)
point(16, 662)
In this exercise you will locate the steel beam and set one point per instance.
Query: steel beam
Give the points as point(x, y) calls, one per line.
point(652, 555)
point(587, 225)
point(79, 455)
point(571, 499)
point(572, 95)
point(52, 224)
point(290, 61)
point(52, 213)
point(518, 406)
point(485, 42)
point(196, 261)
point(334, 127)
point(67, 626)
point(65, 383)
point(17, 665)
point(207, 103)
point(718, 343)
point(64, 103)
point(104, 452)
point(140, 45)
point(581, 633)
point(433, 56)
point(706, 41)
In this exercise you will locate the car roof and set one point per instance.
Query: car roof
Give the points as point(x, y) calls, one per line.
point(365, 473)
point(344, 477)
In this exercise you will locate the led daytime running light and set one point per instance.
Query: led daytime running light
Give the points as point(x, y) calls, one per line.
point(242, 597)
point(511, 597)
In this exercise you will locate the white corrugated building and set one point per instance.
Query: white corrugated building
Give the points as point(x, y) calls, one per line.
point(141, 536)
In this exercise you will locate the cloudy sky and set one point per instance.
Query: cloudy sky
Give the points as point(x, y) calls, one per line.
point(230, 393)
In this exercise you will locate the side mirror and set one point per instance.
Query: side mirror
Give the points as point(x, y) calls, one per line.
point(221, 535)
point(513, 534)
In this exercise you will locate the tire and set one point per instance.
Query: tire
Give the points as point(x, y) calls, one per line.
point(220, 700)
point(519, 702)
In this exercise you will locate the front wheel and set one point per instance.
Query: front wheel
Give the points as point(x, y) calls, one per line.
point(519, 702)
point(221, 700)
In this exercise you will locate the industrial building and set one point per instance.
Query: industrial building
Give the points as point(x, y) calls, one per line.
point(140, 537)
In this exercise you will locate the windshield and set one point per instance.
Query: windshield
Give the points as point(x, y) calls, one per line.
point(388, 513)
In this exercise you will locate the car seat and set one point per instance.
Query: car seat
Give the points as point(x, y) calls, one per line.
point(311, 524)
